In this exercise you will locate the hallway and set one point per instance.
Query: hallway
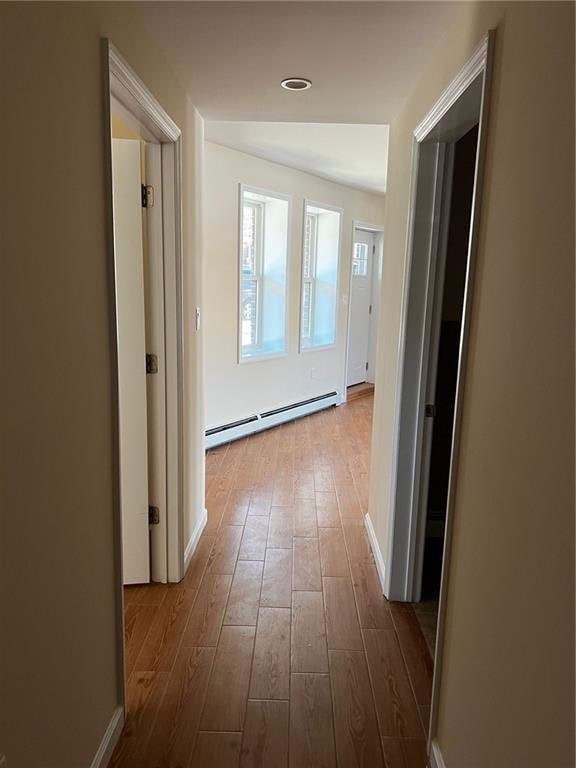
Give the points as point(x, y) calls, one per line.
point(278, 648)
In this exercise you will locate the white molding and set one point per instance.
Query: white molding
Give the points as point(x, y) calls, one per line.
point(260, 424)
point(435, 759)
point(380, 565)
point(129, 81)
point(109, 740)
point(193, 543)
point(473, 67)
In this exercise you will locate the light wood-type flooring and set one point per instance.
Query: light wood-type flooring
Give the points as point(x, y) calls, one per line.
point(278, 648)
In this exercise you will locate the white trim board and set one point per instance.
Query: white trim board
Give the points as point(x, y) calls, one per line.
point(379, 560)
point(194, 539)
point(109, 740)
point(435, 759)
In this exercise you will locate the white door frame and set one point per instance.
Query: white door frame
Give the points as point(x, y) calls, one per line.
point(376, 286)
point(121, 83)
point(453, 104)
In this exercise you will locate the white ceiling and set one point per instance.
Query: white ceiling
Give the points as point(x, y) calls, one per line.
point(354, 155)
point(364, 58)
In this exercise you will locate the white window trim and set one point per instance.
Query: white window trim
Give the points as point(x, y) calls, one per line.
point(242, 188)
point(326, 206)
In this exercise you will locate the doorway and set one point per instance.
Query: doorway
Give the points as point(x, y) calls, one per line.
point(145, 205)
point(365, 284)
point(448, 158)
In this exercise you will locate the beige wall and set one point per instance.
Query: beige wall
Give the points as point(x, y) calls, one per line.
point(235, 391)
point(507, 674)
point(58, 677)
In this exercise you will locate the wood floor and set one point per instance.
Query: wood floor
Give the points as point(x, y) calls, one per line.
point(278, 648)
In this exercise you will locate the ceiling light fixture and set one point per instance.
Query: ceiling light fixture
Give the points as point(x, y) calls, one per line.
point(296, 84)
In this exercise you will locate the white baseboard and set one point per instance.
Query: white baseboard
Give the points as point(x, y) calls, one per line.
point(380, 566)
point(260, 423)
point(193, 543)
point(436, 760)
point(109, 740)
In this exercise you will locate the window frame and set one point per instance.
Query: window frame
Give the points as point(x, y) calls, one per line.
point(240, 359)
point(320, 347)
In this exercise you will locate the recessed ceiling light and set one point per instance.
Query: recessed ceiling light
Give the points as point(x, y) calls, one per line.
point(296, 84)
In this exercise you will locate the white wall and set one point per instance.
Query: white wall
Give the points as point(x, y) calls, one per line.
point(233, 390)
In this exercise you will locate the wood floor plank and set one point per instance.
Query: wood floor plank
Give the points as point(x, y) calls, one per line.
point(311, 725)
point(277, 580)
point(207, 614)
point(271, 666)
point(281, 528)
point(348, 501)
point(260, 501)
point(222, 559)
point(283, 494)
point(333, 554)
point(217, 750)
point(306, 572)
point(228, 687)
point(144, 695)
point(308, 646)
point(373, 608)
point(305, 518)
point(137, 622)
point(198, 562)
point(327, 509)
point(355, 724)
point(172, 739)
point(415, 652)
point(265, 740)
point(236, 507)
point(323, 479)
point(244, 597)
point(303, 484)
point(253, 544)
point(405, 753)
point(163, 640)
point(395, 704)
point(342, 627)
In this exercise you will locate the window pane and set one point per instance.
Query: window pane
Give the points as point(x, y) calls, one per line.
point(307, 310)
point(360, 260)
point(320, 264)
point(309, 244)
point(263, 260)
point(249, 312)
point(249, 239)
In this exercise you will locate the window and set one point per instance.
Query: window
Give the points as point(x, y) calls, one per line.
point(360, 260)
point(263, 259)
point(320, 257)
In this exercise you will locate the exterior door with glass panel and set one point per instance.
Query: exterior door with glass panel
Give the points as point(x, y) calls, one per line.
point(360, 306)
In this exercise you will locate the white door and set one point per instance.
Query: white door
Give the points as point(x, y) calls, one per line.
point(360, 298)
point(129, 271)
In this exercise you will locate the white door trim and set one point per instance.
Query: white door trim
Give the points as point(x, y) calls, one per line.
point(377, 229)
point(400, 561)
point(121, 83)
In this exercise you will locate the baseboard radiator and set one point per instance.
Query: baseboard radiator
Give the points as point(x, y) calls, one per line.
point(260, 421)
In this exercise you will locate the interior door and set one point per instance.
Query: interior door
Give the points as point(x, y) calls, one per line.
point(130, 318)
point(360, 298)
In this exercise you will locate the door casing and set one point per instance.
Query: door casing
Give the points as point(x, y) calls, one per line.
point(463, 104)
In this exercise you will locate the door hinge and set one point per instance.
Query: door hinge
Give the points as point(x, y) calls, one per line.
point(147, 196)
point(151, 363)
point(370, 309)
point(366, 366)
point(153, 515)
point(430, 411)
point(373, 250)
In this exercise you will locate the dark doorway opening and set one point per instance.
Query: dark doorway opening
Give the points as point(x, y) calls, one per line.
point(460, 211)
